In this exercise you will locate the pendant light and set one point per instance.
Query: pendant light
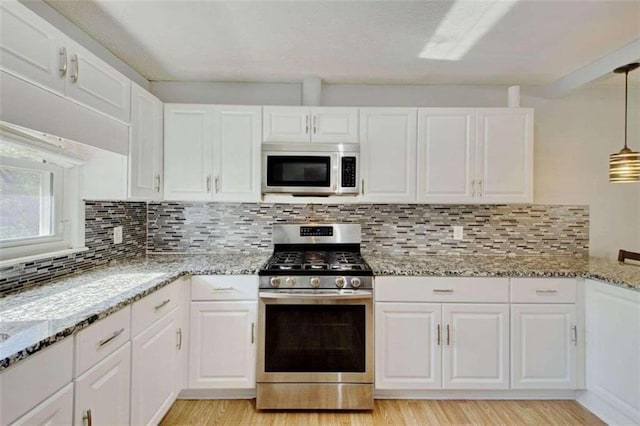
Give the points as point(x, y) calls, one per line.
point(624, 166)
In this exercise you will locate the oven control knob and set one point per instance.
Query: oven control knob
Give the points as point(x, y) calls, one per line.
point(290, 281)
point(355, 282)
point(315, 282)
point(275, 282)
point(340, 281)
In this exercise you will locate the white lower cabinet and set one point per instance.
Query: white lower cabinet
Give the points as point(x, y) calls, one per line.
point(544, 340)
point(155, 368)
point(223, 350)
point(102, 392)
point(223, 330)
point(56, 410)
point(442, 346)
point(613, 352)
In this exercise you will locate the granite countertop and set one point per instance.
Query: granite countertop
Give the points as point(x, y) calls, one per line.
point(609, 271)
point(39, 317)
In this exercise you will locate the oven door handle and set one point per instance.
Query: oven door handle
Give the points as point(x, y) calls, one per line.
point(324, 296)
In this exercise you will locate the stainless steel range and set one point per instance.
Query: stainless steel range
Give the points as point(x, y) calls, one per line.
point(315, 346)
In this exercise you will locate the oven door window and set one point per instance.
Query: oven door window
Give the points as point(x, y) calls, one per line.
point(293, 170)
point(315, 338)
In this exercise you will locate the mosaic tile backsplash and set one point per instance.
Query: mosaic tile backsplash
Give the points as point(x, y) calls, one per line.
point(198, 227)
point(100, 218)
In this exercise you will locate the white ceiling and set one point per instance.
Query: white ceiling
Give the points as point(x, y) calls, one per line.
point(487, 42)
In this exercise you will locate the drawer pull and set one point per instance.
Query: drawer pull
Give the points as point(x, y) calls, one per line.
point(546, 291)
point(438, 334)
point(448, 336)
point(574, 335)
point(110, 338)
point(161, 305)
point(222, 289)
point(253, 334)
point(87, 418)
point(179, 345)
point(443, 291)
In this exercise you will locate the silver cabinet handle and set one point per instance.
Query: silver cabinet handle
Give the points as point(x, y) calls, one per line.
point(253, 335)
point(161, 305)
point(115, 334)
point(306, 119)
point(574, 335)
point(480, 188)
point(179, 345)
point(362, 186)
point(438, 334)
point(75, 73)
point(315, 124)
point(63, 61)
point(448, 336)
point(216, 184)
point(87, 418)
point(473, 188)
point(443, 291)
point(209, 183)
point(549, 291)
point(157, 179)
point(222, 289)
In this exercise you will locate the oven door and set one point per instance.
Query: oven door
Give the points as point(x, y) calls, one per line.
point(315, 336)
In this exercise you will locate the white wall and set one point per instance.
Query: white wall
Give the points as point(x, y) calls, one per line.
point(574, 136)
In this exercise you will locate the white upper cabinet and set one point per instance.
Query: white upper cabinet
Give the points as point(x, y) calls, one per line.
point(212, 153)
point(34, 50)
point(310, 124)
point(388, 154)
point(504, 156)
point(31, 48)
point(188, 152)
point(145, 147)
point(236, 153)
point(475, 155)
point(446, 154)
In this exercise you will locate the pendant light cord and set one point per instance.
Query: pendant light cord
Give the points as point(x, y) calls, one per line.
point(626, 93)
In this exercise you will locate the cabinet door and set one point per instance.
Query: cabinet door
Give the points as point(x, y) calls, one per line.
point(237, 144)
point(388, 154)
point(286, 124)
point(613, 346)
point(96, 84)
point(543, 346)
point(334, 125)
point(102, 393)
point(475, 354)
point(55, 410)
point(155, 360)
point(145, 145)
point(188, 152)
point(504, 159)
point(408, 339)
point(222, 349)
point(31, 48)
point(446, 155)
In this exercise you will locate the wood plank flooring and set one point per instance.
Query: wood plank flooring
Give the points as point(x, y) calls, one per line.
point(386, 412)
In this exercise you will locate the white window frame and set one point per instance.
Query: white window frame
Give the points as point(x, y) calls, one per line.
point(68, 212)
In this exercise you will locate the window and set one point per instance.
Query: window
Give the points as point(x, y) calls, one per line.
point(37, 213)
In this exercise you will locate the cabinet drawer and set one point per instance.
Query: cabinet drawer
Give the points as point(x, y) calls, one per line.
point(146, 311)
point(224, 287)
point(438, 289)
point(101, 338)
point(543, 290)
point(30, 382)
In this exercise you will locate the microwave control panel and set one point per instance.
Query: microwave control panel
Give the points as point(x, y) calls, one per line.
point(348, 177)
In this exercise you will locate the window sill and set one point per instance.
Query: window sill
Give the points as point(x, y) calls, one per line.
point(52, 254)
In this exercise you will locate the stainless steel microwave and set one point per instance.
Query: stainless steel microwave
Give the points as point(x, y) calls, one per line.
point(310, 168)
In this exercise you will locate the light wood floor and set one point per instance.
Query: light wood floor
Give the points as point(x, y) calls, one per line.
point(386, 412)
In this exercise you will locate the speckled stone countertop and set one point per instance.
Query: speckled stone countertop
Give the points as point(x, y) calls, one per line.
point(39, 317)
point(609, 271)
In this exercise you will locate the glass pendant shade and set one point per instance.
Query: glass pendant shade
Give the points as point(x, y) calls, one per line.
point(624, 166)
